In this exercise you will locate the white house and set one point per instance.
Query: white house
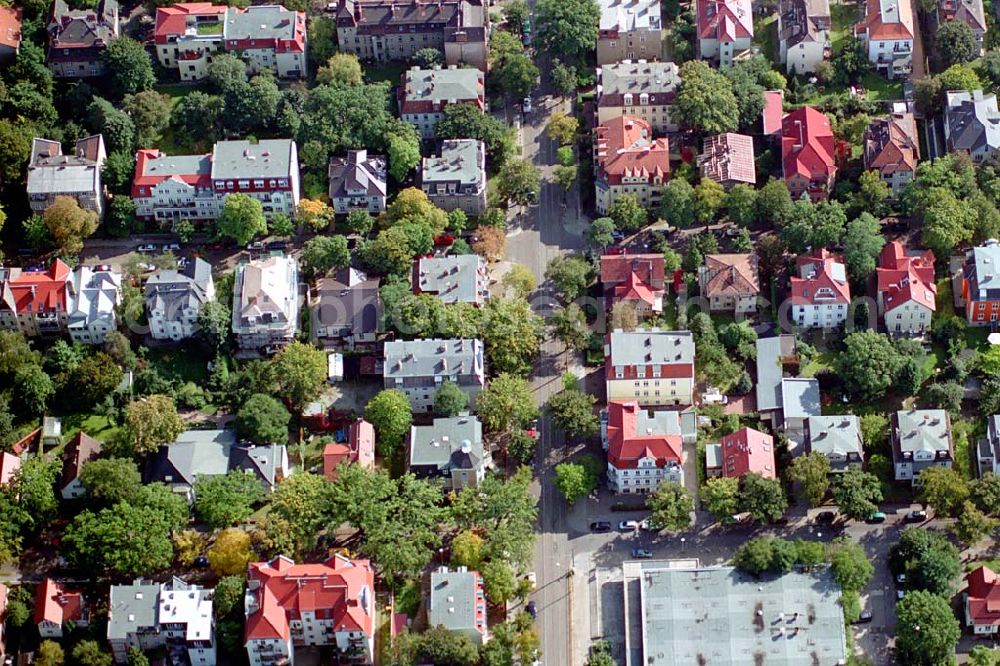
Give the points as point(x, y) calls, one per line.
point(97, 294)
point(921, 438)
point(820, 295)
point(174, 299)
point(887, 32)
point(725, 29)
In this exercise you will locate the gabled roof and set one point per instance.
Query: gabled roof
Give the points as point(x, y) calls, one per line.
point(922, 430)
point(426, 90)
point(970, 12)
point(659, 80)
point(633, 277)
point(891, 144)
point(349, 300)
point(803, 21)
point(747, 450)
point(34, 292)
point(982, 271)
point(731, 274)
point(906, 277)
point(822, 280)
point(357, 172)
point(176, 20)
point(172, 292)
point(196, 453)
point(626, 149)
point(634, 435)
point(728, 158)
point(725, 20)
point(773, 111)
point(984, 596)
point(887, 20)
point(82, 449)
point(839, 435)
point(153, 167)
point(972, 120)
point(55, 604)
point(807, 144)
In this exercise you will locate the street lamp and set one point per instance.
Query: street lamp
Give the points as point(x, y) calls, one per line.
point(683, 541)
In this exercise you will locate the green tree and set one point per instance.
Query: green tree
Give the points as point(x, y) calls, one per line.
point(928, 559)
point(467, 550)
point(32, 485)
point(242, 218)
point(404, 154)
point(152, 422)
point(519, 181)
point(868, 365)
point(428, 58)
point(450, 400)
point(627, 213)
point(562, 128)
point(33, 389)
point(511, 333)
point(69, 224)
point(50, 653)
point(516, 14)
point(862, 244)
point(956, 43)
point(944, 489)
point(340, 68)
point(214, 326)
point(567, 29)
point(570, 326)
point(359, 222)
point(755, 556)
point(323, 253)
point(129, 67)
point(301, 504)
point(670, 507)
point(516, 74)
point(301, 372)
point(705, 100)
point(263, 419)
point(91, 653)
point(573, 413)
point(563, 77)
point(985, 492)
point(228, 596)
point(389, 411)
point(677, 203)
point(111, 480)
point(503, 512)
point(576, 480)
point(774, 203)
point(741, 205)
point(499, 581)
point(812, 471)
point(117, 172)
point(601, 232)
point(198, 115)
point(762, 498)
point(926, 630)
point(852, 568)
point(150, 111)
point(136, 657)
point(506, 403)
point(972, 525)
point(980, 655)
point(227, 499)
point(571, 275)
point(721, 496)
point(231, 553)
point(857, 493)
point(130, 540)
point(464, 121)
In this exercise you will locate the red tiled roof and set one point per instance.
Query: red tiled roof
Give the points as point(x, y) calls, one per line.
point(773, 111)
point(10, 27)
point(747, 450)
point(984, 596)
point(9, 464)
point(172, 20)
point(731, 273)
point(626, 447)
point(728, 158)
point(81, 450)
point(827, 277)
point(633, 276)
point(906, 277)
point(333, 590)
point(360, 448)
point(724, 20)
point(626, 149)
point(895, 24)
point(143, 165)
point(37, 291)
point(891, 144)
point(807, 145)
point(53, 603)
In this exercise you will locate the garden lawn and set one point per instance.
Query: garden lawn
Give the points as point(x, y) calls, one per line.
point(389, 72)
point(880, 89)
point(173, 142)
point(843, 17)
point(179, 365)
point(765, 34)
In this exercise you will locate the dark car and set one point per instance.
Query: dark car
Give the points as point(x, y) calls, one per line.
point(600, 526)
point(826, 517)
point(201, 562)
point(531, 609)
point(916, 516)
point(277, 245)
point(864, 618)
point(875, 518)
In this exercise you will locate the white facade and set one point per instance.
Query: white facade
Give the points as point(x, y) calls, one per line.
point(911, 318)
point(93, 315)
point(645, 478)
point(261, 651)
point(816, 315)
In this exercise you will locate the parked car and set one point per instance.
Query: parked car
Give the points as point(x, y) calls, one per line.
point(875, 518)
point(532, 609)
point(256, 246)
point(901, 579)
point(641, 554)
point(532, 579)
point(277, 245)
point(917, 516)
point(628, 526)
point(146, 247)
point(171, 247)
point(526, 105)
point(644, 525)
point(201, 562)
point(864, 618)
point(826, 517)
point(600, 526)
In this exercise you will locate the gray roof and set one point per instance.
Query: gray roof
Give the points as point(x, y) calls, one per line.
point(355, 172)
point(627, 15)
point(973, 121)
point(177, 165)
point(432, 357)
point(651, 78)
point(268, 158)
point(803, 20)
point(131, 607)
point(348, 301)
point(770, 352)
point(170, 292)
point(448, 443)
point(261, 22)
point(455, 278)
point(442, 85)
point(462, 161)
point(263, 461)
point(839, 435)
point(97, 295)
point(645, 346)
point(710, 616)
point(51, 172)
point(195, 453)
point(800, 397)
point(982, 269)
point(453, 599)
point(922, 430)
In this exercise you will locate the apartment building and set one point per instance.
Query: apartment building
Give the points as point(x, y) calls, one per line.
point(892, 148)
point(458, 603)
point(174, 299)
point(887, 32)
point(969, 12)
point(980, 284)
point(358, 182)
point(972, 123)
point(907, 292)
point(266, 303)
point(645, 448)
point(425, 93)
point(724, 28)
point(94, 309)
point(629, 30)
point(730, 283)
point(742, 452)
point(820, 295)
point(419, 367)
point(638, 279)
point(650, 366)
point(640, 89)
point(807, 153)
point(920, 438)
point(728, 159)
point(78, 37)
point(453, 279)
point(628, 160)
point(10, 46)
point(457, 179)
point(838, 437)
point(803, 34)
point(36, 302)
point(52, 174)
point(451, 450)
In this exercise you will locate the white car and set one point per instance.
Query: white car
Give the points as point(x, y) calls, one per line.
point(148, 247)
point(171, 247)
point(526, 105)
point(531, 578)
point(628, 526)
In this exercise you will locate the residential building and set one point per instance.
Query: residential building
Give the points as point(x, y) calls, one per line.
point(456, 179)
point(195, 187)
point(730, 283)
point(36, 302)
point(683, 423)
point(887, 32)
point(640, 89)
point(773, 113)
point(921, 438)
point(267, 37)
point(744, 451)
point(981, 601)
point(266, 303)
point(418, 368)
point(891, 147)
point(197, 454)
point(645, 448)
point(638, 279)
point(458, 603)
point(78, 37)
point(728, 159)
point(51, 432)
point(358, 182)
point(10, 46)
point(838, 438)
point(980, 284)
point(683, 613)
point(174, 299)
point(907, 292)
point(988, 449)
point(785, 401)
point(461, 278)
point(174, 615)
point(629, 30)
point(359, 449)
point(394, 30)
point(291, 605)
point(725, 29)
point(9, 464)
point(972, 123)
point(81, 450)
point(650, 366)
point(820, 295)
point(969, 12)
point(97, 295)
point(807, 153)
point(425, 93)
point(52, 174)
point(803, 34)
point(450, 449)
point(346, 310)
point(628, 160)
point(57, 608)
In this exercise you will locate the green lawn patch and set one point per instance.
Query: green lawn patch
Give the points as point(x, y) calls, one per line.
point(391, 72)
point(880, 89)
point(97, 426)
point(765, 35)
point(823, 361)
point(843, 18)
point(179, 365)
point(171, 141)
point(209, 28)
